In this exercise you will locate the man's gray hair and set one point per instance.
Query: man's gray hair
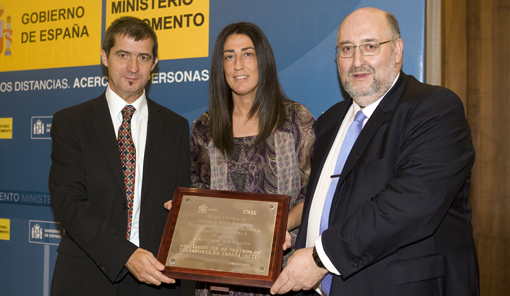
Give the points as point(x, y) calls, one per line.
point(394, 28)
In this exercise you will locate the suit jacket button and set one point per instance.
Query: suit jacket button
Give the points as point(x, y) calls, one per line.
point(124, 206)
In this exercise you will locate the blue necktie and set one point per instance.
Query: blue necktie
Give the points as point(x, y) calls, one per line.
point(350, 138)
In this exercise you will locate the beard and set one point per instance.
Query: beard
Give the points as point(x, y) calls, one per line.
point(364, 96)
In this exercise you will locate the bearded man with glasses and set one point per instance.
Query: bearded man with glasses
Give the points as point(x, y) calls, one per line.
point(387, 209)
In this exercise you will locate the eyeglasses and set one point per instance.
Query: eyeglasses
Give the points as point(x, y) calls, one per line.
point(368, 49)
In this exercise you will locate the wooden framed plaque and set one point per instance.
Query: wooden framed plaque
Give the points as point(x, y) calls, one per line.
point(225, 237)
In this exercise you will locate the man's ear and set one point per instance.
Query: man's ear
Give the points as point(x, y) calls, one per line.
point(104, 58)
point(399, 49)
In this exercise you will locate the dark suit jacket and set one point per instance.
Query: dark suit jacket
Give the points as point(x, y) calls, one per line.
point(88, 195)
point(400, 222)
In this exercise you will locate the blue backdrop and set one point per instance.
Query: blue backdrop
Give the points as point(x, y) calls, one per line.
point(303, 36)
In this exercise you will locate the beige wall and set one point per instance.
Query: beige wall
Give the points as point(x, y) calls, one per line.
point(475, 63)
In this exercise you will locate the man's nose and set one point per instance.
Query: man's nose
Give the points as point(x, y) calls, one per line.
point(133, 65)
point(358, 58)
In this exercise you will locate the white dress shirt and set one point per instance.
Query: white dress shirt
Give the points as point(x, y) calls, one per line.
point(139, 135)
point(314, 219)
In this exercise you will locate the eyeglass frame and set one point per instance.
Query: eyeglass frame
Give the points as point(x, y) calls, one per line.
point(358, 46)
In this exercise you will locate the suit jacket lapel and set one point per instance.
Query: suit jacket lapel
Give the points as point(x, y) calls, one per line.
point(385, 108)
point(330, 135)
point(326, 131)
point(361, 143)
point(101, 120)
point(325, 138)
point(155, 128)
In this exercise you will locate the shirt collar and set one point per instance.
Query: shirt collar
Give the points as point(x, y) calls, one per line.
point(116, 104)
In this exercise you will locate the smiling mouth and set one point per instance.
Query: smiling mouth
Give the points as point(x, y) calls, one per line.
point(360, 75)
point(241, 77)
point(361, 72)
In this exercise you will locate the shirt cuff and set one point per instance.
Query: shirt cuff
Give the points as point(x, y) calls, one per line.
point(324, 258)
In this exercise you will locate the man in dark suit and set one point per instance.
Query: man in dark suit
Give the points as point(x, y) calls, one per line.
point(117, 155)
point(399, 222)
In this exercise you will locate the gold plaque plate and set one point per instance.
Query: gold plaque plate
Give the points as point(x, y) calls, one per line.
point(223, 234)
